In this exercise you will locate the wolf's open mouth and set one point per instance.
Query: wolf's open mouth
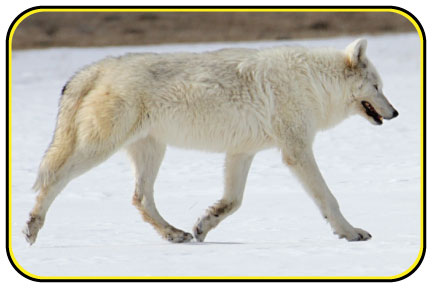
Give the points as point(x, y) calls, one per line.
point(370, 111)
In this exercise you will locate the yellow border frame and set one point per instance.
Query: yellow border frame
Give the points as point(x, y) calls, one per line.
point(396, 10)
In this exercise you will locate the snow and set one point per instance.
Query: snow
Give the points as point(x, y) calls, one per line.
point(93, 230)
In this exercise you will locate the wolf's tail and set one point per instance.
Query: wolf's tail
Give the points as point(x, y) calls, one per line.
point(63, 142)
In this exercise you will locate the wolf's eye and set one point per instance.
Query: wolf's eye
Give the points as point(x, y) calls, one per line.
point(376, 87)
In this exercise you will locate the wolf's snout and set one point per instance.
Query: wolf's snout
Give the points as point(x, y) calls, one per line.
point(394, 114)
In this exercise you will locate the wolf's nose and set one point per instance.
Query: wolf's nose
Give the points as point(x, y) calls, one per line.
point(395, 114)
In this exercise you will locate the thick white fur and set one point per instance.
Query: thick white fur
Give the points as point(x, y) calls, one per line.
point(236, 101)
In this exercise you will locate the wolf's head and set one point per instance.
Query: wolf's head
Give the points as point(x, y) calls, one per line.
point(369, 100)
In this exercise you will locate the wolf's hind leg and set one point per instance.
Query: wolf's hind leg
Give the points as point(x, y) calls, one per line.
point(46, 196)
point(236, 171)
point(52, 180)
point(146, 155)
point(81, 141)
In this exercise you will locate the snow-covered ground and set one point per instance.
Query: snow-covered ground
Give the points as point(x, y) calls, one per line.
point(93, 230)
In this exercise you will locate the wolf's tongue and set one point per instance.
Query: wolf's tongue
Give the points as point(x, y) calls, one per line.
point(370, 110)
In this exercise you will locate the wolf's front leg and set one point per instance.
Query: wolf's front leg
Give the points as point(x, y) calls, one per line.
point(236, 171)
point(305, 168)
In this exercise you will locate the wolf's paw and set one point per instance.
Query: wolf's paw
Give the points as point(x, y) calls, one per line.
point(355, 234)
point(199, 232)
point(29, 237)
point(203, 226)
point(174, 235)
point(30, 231)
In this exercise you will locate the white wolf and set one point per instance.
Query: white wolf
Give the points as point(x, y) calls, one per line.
point(237, 101)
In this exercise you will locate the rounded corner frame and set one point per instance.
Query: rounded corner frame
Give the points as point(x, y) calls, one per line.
point(394, 9)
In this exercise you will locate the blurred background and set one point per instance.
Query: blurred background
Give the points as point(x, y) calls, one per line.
point(83, 29)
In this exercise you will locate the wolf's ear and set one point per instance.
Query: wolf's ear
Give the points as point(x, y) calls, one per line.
point(355, 52)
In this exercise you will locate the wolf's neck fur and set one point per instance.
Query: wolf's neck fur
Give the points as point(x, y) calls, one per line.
point(331, 88)
point(312, 82)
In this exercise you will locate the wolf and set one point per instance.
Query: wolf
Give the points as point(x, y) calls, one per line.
point(235, 101)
